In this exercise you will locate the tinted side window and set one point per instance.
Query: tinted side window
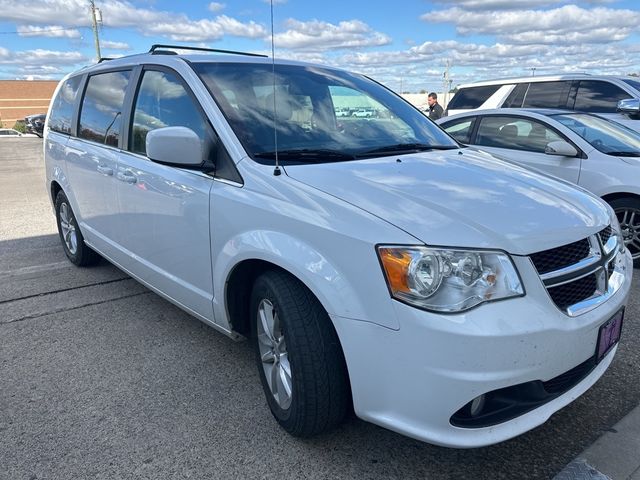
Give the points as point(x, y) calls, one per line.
point(515, 133)
point(63, 105)
point(547, 95)
point(634, 83)
point(472, 97)
point(162, 101)
point(460, 130)
point(516, 97)
point(101, 112)
point(598, 96)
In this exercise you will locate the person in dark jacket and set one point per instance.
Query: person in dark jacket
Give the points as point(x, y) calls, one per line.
point(435, 110)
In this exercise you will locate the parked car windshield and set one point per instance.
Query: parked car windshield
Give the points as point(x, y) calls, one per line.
point(608, 137)
point(322, 114)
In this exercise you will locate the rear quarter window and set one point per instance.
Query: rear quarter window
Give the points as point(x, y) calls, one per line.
point(63, 106)
point(471, 97)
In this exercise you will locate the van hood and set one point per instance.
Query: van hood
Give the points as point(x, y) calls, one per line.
point(462, 198)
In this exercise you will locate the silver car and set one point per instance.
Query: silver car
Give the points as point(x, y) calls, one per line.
point(596, 153)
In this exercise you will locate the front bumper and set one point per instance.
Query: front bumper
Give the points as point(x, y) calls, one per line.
point(413, 380)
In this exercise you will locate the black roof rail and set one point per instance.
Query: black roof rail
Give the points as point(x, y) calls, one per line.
point(160, 49)
point(104, 59)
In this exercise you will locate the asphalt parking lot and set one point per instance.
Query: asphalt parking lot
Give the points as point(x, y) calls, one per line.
point(101, 378)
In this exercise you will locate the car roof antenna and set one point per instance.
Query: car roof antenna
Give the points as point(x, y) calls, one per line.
point(276, 171)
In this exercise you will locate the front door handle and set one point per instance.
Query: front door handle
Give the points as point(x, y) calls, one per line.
point(104, 170)
point(127, 177)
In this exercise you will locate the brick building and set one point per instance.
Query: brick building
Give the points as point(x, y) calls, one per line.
point(19, 98)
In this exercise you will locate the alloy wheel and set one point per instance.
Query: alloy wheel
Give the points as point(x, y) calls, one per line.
point(273, 354)
point(629, 219)
point(68, 227)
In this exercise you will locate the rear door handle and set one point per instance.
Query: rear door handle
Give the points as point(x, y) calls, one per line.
point(104, 170)
point(127, 177)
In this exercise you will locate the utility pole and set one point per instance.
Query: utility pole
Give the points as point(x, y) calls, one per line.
point(447, 82)
point(94, 22)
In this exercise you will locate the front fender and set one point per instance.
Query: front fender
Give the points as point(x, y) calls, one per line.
point(330, 282)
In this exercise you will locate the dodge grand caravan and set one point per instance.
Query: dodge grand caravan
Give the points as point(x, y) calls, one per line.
point(373, 263)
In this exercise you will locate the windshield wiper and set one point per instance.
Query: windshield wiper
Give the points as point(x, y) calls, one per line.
point(624, 154)
point(406, 147)
point(307, 154)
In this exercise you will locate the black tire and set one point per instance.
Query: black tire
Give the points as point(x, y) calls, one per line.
point(320, 396)
point(82, 256)
point(629, 204)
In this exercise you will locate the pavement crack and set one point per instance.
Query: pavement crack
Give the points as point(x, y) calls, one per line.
point(62, 310)
point(61, 290)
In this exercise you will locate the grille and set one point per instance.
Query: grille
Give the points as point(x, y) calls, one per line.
point(605, 234)
point(561, 257)
point(573, 292)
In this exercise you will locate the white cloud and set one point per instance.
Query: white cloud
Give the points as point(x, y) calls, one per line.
point(316, 35)
point(121, 13)
point(55, 31)
point(40, 56)
point(39, 63)
point(114, 45)
point(493, 5)
point(216, 7)
point(202, 30)
point(568, 23)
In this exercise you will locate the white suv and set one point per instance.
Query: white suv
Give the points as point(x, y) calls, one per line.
point(444, 294)
point(615, 98)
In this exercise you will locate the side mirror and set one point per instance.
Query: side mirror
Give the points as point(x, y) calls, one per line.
point(175, 146)
point(630, 106)
point(560, 148)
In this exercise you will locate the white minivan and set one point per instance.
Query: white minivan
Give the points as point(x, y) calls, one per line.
point(373, 263)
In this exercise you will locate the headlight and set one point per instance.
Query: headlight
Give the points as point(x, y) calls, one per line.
point(447, 280)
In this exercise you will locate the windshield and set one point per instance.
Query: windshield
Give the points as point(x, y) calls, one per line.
point(607, 136)
point(322, 114)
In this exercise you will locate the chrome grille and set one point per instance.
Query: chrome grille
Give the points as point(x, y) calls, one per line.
point(581, 275)
point(570, 293)
point(560, 257)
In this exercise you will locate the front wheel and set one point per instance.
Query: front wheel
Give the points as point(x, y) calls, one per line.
point(300, 360)
point(627, 210)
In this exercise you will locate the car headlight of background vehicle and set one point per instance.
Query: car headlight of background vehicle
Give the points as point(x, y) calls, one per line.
point(448, 280)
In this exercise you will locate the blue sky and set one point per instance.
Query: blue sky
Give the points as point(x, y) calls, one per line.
point(399, 43)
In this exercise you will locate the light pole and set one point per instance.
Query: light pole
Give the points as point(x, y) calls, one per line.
point(94, 22)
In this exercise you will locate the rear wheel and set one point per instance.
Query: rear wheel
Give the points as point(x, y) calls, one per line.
point(70, 235)
point(628, 212)
point(299, 357)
